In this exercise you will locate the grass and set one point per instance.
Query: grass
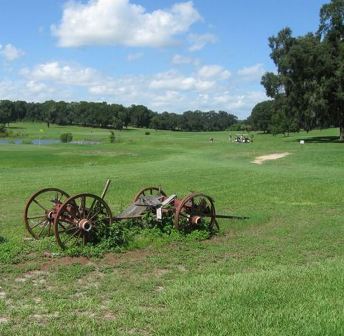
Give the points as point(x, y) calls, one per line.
point(278, 273)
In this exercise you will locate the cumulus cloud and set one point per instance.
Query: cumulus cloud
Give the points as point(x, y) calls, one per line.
point(213, 71)
point(119, 22)
point(61, 73)
point(198, 42)
point(172, 80)
point(10, 52)
point(252, 72)
point(35, 87)
point(205, 88)
point(180, 59)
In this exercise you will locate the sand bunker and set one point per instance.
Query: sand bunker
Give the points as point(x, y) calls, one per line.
point(260, 159)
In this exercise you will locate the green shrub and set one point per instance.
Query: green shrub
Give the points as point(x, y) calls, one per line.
point(117, 123)
point(112, 137)
point(139, 233)
point(147, 133)
point(66, 137)
point(3, 131)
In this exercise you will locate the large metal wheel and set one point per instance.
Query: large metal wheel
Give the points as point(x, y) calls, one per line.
point(149, 191)
point(80, 220)
point(41, 209)
point(195, 210)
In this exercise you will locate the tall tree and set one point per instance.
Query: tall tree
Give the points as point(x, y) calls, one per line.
point(331, 32)
point(261, 115)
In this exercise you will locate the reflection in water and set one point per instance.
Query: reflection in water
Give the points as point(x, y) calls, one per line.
point(44, 142)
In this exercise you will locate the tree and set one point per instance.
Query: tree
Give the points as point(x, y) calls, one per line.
point(117, 123)
point(140, 115)
point(331, 32)
point(308, 88)
point(261, 115)
point(6, 112)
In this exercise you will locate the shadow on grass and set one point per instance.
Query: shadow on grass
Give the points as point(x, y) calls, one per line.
point(2, 240)
point(15, 127)
point(321, 139)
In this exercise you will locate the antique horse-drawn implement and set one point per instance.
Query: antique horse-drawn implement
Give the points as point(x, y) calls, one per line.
point(74, 220)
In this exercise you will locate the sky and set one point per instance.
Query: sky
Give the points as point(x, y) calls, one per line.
point(168, 55)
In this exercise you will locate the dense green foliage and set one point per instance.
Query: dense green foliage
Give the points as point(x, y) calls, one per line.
point(278, 273)
point(66, 137)
point(261, 116)
point(308, 88)
point(112, 116)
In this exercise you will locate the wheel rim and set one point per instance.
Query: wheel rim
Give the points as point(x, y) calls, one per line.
point(40, 210)
point(194, 210)
point(79, 219)
point(151, 191)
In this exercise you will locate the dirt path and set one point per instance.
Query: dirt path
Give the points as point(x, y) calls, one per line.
point(260, 159)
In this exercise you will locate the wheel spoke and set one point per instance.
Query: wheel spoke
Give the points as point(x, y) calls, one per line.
point(44, 226)
point(60, 198)
point(65, 230)
point(39, 223)
point(36, 217)
point(91, 208)
point(70, 237)
point(83, 206)
point(76, 240)
point(184, 215)
point(97, 213)
point(71, 227)
point(40, 205)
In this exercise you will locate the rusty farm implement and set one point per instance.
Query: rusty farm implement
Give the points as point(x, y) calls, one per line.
point(75, 220)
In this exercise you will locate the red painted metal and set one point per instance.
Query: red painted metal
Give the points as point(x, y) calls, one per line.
point(75, 219)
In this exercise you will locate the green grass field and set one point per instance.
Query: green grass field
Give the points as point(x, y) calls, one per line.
point(279, 273)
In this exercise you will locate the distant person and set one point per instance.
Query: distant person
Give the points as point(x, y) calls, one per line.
point(211, 140)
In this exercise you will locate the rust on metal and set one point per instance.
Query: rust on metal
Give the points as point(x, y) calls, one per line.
point(75, 220)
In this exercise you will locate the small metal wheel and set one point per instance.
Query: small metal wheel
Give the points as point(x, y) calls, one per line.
point(194, 210)
point(149, 191)
point(41, 209)
point(80, 220)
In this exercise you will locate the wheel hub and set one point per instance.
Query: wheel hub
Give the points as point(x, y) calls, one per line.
point(85, 225)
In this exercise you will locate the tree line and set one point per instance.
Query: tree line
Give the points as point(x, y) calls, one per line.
point(112, 116)
point(307, 90)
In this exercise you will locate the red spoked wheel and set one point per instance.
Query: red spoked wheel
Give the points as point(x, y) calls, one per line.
point(149, 191)
point(195, 210)
point(80, 220)
point(41, 209)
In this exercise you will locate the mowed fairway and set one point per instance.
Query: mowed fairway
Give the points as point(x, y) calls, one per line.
point(279, 273)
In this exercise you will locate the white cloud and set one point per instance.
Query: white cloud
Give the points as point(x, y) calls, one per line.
point(243, 101)
point(134, 56)
point(119, 22)
point(214, 71)
point(172, 80)
point(166, 99)
point(10, 52)
point(252, 73)
point(198, 42)
point(172, 90)
point(38, 87)
point(180, 59)
point(7, 89)
point(60, 73)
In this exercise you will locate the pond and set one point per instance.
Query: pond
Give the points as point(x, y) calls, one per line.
point(33, 142)
point(44, 142)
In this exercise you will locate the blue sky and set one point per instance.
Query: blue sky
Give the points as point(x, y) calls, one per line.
point(168, 55)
